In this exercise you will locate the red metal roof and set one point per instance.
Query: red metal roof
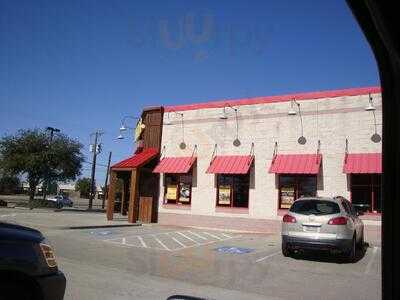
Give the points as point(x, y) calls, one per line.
point(363, 163)
point(230, 164)
point(296, 164)
point(137, 160)
point(175, 165)
point(276, 98)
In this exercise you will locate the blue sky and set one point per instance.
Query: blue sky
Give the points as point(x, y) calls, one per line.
point(83, 65)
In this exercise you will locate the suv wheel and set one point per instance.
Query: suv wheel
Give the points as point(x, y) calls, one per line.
point(361, 242)
point(351, 254)
point(285, 250)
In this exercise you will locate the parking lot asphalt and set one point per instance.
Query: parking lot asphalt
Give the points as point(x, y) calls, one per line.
point(154, 262)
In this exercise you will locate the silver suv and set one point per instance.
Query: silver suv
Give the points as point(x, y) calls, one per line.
point(322, 224)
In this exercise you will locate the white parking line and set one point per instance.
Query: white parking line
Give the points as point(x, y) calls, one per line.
point(180, 243)
point(268, 256)
point(225, 235)
point(142, 242)
point(161, 243)
point(189, 235)
point(195, 245)
point(127, 245)
point(369, 265)
point(189, 238)
point(198, 235)
point(212, 235)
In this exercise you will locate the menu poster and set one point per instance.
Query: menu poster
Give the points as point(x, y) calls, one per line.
point(287, 197)
point(184, 193)
point(224, 194)
point(172, 192)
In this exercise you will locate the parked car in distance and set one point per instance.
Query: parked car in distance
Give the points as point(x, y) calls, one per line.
point(28, 268)
point(322, 224)
point(61, 200)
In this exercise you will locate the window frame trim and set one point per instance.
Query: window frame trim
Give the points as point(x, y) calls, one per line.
point(177, 202)
point(232, 193)
point(296, 188)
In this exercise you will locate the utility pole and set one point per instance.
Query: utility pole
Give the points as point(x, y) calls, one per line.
point(92, 184)
point(106, 181)
point(45, 182)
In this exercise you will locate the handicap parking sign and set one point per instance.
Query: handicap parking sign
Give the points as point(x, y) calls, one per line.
point(233, 250)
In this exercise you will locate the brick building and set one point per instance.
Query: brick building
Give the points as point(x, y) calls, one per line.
point(251, 158)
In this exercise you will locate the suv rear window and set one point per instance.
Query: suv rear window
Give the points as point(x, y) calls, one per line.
point(315, 207)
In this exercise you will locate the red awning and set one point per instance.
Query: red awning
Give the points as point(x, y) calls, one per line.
point(230, 164)
point(175, 165)
point(137, 160)
point(296, 164)
point(362, 163)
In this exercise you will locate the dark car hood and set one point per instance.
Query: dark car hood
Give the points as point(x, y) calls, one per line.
point(14, 232)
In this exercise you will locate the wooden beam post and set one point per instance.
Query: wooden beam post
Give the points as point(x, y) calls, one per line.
point(111, 195)
point(133, 196)
point(123, 194)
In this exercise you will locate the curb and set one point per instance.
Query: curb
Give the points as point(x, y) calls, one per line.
point(102, 226)
point(234, 230)
point(21, 207)
point(80, 210)
point(220, 229)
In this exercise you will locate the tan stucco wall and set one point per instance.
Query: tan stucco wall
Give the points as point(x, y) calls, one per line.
point(329, 120)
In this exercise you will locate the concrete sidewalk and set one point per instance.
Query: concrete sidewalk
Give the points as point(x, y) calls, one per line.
point(237, 224)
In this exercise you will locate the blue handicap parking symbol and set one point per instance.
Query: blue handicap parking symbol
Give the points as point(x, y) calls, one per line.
point(101, 233)
point(233, 250)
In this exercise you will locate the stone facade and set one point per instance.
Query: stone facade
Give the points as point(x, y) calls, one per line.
point(328, 120)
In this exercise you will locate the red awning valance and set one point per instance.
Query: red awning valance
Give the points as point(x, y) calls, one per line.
point(296, 164)
point(175, 165)
point(362, 163)
point(230, 164)
point(137, 160)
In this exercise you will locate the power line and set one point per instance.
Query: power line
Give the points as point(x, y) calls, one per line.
point(89, 169)
point(90, 163)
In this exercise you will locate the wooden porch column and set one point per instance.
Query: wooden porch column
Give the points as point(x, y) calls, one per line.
point(123, 196)
point(111, 195)
point(133, 196)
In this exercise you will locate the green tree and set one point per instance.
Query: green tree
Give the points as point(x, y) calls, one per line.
point(30, 153)
point(9, 184)
point(83, 186)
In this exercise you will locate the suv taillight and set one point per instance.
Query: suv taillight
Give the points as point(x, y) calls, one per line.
point(338, 221)
point(289, 219)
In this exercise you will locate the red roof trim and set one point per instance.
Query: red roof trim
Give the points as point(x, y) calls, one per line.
point(230, 164)
point(296, 164)
point(137, 160)
point(175, 165)
point(277, 98)
point(363, 163)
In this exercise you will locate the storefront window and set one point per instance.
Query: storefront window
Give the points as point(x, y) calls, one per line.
point(292, 187)
point(366, 192)
point(233, 190)
point(178, 188)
